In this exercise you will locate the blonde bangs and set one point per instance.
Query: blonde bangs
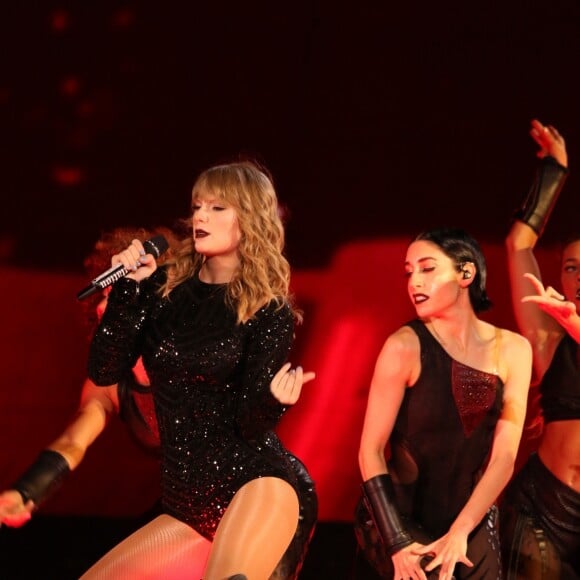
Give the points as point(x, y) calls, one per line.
point(264, 273)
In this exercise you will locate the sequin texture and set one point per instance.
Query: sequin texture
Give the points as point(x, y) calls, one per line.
point(474, 394)
point(211, 385)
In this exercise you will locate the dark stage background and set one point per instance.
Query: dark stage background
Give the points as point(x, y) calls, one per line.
point(376, 119)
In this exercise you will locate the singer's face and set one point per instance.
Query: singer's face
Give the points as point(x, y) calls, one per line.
point(216, 230)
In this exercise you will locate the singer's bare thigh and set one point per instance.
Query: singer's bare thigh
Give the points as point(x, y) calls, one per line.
point(163, 548)
point(255, 530)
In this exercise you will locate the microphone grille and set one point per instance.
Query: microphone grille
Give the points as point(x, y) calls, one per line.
point(157, 245)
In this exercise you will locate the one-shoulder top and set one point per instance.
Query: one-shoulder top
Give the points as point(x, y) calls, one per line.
point(442, 436)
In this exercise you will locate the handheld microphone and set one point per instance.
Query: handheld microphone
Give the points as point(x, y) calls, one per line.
point(157, 245)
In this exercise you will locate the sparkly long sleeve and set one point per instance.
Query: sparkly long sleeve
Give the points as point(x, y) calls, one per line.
point(115, 346)
point(272, 332)
point(210, 382)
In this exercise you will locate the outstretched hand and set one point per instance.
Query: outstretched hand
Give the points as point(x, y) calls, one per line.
point(550, 300)
point(550, 142)
point(287, 383)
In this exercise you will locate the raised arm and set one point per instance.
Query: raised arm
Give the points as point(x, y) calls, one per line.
point(527, 227)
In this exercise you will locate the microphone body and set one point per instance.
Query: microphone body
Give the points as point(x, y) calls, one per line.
point(155, 246)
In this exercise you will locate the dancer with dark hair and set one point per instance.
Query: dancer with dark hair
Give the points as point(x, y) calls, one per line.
point(541, 509)
point(447, 404)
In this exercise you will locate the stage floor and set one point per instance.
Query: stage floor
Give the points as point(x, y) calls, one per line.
point(62, 548)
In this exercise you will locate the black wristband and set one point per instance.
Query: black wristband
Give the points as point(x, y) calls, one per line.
point(379, 495)
point(544, 192)
point(43, 477)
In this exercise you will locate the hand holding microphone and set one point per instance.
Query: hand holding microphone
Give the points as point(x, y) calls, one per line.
point(138, 262)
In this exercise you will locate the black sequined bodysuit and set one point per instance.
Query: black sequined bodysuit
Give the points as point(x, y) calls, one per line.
point(137, 411)
point(210, 378)
point(440, 444)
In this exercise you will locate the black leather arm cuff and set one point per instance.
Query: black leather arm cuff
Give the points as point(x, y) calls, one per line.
point(541, 199)
point(379, 495)
point(43, 477)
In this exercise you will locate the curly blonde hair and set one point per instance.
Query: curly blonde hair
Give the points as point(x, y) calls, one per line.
point(264, 272)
